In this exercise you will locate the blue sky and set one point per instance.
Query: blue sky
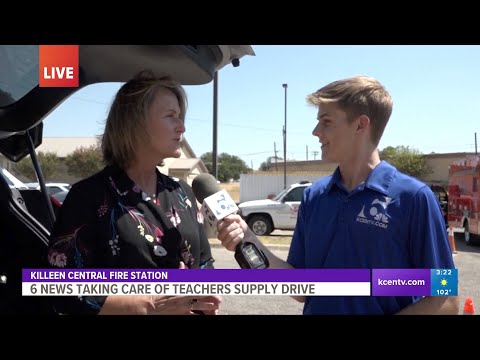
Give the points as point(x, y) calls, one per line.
point(435, 90)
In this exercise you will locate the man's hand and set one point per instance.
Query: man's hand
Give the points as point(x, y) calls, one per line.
point(231, 231)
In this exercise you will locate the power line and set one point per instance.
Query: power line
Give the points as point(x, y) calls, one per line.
point(243, 126)
point(88, 100)
point(258, 153)
point(197, 119)
point(449, 146)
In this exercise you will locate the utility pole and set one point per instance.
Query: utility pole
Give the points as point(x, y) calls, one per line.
point(275, 151)
point(307, 152)
point(476, 144)
point(285, 86)
point(215, 125)
point(315, 153)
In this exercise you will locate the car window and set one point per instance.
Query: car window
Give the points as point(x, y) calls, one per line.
point(280, 195)
point(53, 190)
point(296, 194)
point(18, 72)
point(60, 196)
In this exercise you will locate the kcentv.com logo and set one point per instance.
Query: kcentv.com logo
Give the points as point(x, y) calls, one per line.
point(58, 66)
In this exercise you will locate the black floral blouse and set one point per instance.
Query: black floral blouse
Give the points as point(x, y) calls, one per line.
point(107, 221)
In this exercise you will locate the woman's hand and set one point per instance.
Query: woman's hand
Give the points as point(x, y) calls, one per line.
point(185, 305)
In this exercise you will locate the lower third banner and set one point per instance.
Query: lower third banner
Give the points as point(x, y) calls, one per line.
point(105, 282)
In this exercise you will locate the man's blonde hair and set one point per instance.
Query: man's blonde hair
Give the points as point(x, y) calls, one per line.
point(359, 95)
point(125, 127)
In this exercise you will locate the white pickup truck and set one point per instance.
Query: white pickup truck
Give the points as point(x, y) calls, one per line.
point(264, 216)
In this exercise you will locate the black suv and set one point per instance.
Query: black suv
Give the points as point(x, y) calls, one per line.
point(442, 196)
point(26, 216)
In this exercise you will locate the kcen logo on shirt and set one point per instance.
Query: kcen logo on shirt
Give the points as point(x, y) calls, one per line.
point(375, 213)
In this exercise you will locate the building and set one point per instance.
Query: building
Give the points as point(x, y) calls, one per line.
point(308, 166)
point(437, 162)
point(186, 167)
point(63, 146)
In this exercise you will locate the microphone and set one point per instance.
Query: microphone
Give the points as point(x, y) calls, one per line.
point(218, 204)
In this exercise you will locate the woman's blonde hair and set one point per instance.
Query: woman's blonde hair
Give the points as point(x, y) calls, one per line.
point(125, 127)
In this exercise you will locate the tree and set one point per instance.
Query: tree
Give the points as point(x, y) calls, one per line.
point(49, 162)
point(269, 164)
point(388, 153)
point(229, 166)
point(84, 161)
point(407, 160)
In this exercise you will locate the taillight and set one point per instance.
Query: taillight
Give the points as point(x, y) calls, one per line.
point(55, 201)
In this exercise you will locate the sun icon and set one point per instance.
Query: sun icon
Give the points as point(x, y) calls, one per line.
point(443, 282)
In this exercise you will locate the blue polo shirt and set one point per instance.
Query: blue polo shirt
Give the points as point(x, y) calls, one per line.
point(390, 221)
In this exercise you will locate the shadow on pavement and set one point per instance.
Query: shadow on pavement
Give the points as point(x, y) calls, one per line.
point(281, 233)
point(461, 246)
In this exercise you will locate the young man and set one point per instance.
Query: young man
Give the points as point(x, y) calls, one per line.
point(367, 214)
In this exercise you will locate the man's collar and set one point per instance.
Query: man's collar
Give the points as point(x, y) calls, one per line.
point(379, 178)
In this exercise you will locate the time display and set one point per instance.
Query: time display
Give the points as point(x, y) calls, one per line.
point(444, 282)
point(444, 272)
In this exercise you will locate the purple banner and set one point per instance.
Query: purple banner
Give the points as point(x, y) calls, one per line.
point(196, 275)
point(401, 282)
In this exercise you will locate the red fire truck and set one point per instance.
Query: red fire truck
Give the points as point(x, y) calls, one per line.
point(463, 197)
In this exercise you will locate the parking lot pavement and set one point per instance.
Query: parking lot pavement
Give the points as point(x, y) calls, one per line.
point(467, 261)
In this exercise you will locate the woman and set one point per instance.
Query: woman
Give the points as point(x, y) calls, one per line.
point(129, 215)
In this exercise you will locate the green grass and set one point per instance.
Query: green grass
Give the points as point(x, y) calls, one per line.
point(277, 240)
point(233, 190)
